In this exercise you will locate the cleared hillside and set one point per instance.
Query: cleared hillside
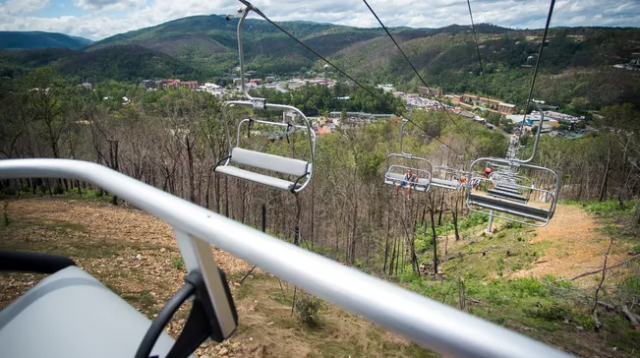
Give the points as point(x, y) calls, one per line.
point(137, 257)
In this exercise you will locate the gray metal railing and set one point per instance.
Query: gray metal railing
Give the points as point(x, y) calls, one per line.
point(430, 324)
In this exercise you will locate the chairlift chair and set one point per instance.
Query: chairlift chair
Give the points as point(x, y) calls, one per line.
point(503, 198)
point(243, 163)
point(395, 173)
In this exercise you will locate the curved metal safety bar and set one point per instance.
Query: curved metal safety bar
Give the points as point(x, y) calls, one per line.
point(311, 134)
point(427, 322)
point(505, 206)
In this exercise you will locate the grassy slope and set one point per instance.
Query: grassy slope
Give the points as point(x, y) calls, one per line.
point(509, 284)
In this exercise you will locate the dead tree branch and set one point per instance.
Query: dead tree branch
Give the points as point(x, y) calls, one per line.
point(598, 270)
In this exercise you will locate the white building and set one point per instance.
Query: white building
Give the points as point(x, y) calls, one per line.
point(212, 88)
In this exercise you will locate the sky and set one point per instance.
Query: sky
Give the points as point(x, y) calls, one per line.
point(97, 19)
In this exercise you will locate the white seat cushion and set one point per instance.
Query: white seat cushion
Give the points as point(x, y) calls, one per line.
point(255, 177)
point(271, 162)
point(70, 314)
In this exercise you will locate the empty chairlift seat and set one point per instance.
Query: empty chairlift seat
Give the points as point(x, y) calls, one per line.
point(70, 314)
point(297, 168)
point(446, 178)
point(446, 184)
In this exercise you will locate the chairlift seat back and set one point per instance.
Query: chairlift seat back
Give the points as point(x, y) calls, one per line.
point(510, 207)
point(507, 195)
point(70, 314)
point(508, 188)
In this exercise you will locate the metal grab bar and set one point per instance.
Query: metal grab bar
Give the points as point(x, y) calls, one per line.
point(430, 324)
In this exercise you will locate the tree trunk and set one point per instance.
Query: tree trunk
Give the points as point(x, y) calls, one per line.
point(435, 242)
point(440, 212)
point(192, 187)
point(604, 272)
point(603, 188)
point(226, 196)
point(454, 218)
point(386, 244)
point(313, 213)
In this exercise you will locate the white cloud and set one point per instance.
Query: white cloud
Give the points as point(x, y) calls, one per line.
point(109, 17)
point(109, 4)
point(16, 7)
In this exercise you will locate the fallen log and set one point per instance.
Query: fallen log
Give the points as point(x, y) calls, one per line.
point(635, 321)
point(598, 270)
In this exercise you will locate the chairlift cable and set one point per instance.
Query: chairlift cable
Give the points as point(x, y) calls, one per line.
point(535, 72)
point(261, 14)
point(414, 68)
point(475, 37)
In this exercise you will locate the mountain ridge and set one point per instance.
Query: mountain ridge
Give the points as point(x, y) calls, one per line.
point(205, 48)
point(23, 40)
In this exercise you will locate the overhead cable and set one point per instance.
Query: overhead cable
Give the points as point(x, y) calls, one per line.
point(475, 37)
point(413, 67)
point(535, 70)
point(261, 14)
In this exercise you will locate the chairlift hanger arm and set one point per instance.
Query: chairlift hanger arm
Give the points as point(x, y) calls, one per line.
point(539, 131)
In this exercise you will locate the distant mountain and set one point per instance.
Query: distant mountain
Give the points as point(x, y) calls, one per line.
point(205, 48)
point(18, 40)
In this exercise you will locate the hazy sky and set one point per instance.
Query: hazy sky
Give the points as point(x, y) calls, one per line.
point(96, 19)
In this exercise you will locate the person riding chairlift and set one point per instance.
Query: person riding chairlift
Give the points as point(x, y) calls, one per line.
point(408, 181)
point(475, 182)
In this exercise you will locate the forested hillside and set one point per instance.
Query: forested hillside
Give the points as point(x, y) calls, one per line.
point(575, 72)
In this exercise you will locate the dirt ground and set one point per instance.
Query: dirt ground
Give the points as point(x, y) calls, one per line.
point(575, 245)
point(136, 255)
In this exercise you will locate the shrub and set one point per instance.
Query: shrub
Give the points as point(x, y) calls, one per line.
point(586, 322)
point(513, 225)
point(550, 313)
point(308, 309)
point(632, 284)
point(177, 262)
point(58, 189)
point(527, 287)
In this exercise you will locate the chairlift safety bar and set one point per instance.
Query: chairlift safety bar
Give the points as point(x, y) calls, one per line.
point(428, 323)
